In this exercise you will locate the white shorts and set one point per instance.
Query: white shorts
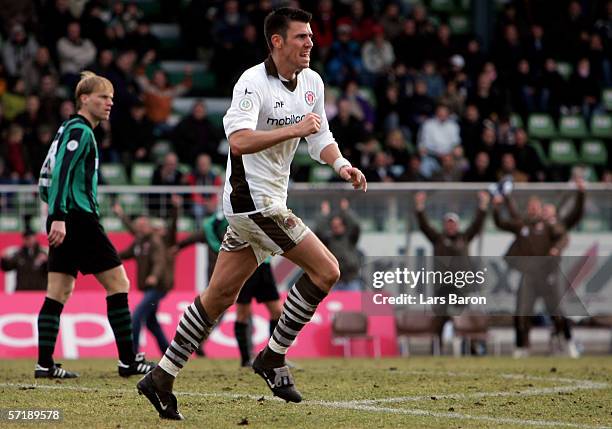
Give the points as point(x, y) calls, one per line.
point(272, 232)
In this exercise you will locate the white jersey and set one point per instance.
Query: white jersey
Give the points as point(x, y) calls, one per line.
point(261, 101)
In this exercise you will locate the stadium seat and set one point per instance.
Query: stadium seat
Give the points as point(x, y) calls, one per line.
point(409, 325)
point(593, 152)
point(113, 174)
point(541, 126)
point(565, 69)
point(606, 96)
point(320, 173)
point(459, 24)
point(469, 327)
point(351, 325)
point(160, 149)
point(150, 8)
point(442, 5)
point(537, 146)
point(185, 224)
point(573, 126)
point(142, 173)
point(516, 120)
point(104, 203)
point(112, 224)
point(601, 126)
point(10, 223)
point(131, 203)
point(302, 157)
point(562, 152)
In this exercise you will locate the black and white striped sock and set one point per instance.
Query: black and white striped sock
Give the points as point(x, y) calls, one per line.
point(193, 328)
point(298, 309)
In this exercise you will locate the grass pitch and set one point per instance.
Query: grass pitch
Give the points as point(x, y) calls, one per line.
point(356, 393)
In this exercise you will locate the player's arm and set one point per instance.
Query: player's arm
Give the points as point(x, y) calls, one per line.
point(331, 155)
point(76, 144)
point(247, 141)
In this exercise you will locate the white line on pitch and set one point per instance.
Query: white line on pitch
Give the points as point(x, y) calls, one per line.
point(350, 405)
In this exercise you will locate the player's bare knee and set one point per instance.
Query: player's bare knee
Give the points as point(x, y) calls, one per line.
point(327, 276)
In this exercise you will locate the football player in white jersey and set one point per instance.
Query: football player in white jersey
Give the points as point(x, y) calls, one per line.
point(274, 105)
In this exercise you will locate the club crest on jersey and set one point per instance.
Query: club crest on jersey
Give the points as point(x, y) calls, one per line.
point(245, 104)
point(72, 145)
point(310, 98)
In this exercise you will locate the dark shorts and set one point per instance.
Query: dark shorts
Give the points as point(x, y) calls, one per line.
point(86, 248)
point(260, 285)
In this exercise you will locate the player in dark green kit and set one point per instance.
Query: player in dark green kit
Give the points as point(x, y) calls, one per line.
point(77, 242)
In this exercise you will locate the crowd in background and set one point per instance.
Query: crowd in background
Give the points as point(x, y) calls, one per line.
point(407, 99)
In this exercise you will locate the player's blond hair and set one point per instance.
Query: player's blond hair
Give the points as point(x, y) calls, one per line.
point(89, 83)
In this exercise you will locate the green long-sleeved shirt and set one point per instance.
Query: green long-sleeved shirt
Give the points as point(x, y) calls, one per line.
point(69, 176)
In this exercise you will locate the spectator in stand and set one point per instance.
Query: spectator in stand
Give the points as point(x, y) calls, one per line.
point(29, 120)
point(584, 90)
point(522, 86)
point(104, 62)
point(433, 79)
point(391, 21)
point(18, 51)
point(107, 147)
point(377, 56)
point(505, 131)
point(142, 40)
point(126, 90)
point(438, 137)
point(574, 26)
point(485, 95)
point(203, 205)
point(166, 174)
point(526, 157)
point(509, 50)
point(474, 59)
point(323, 28)
point(344, 58)
point(57, 17)
point(488, 144)
point(115, 36)
point(454, 98)
point(379, 169)
point(360, 107)
point(29, 262)
point(93, 24)
point(450, 170)
point(348, 130)
point(39, 147)
point(441, 48)
point(508, 169)
point(409, 47)
point(412, 173)
point(66, 110)
point(75, 54)
point(340, 232)
point(362, 26)
point(134, 137)
point(14, 100)
point(34, 70)
point(480, 170)
point(419, 106)
point(227, 30)
point(194, 135)
point(551, 89)
point(158, 95)
point(424, 25)
point(537, 49)
point(396, 146)
point(16, 155)
point(50, 100)
point(599, 57)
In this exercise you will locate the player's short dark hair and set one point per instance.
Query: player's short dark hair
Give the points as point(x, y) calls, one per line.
point(277, 22)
